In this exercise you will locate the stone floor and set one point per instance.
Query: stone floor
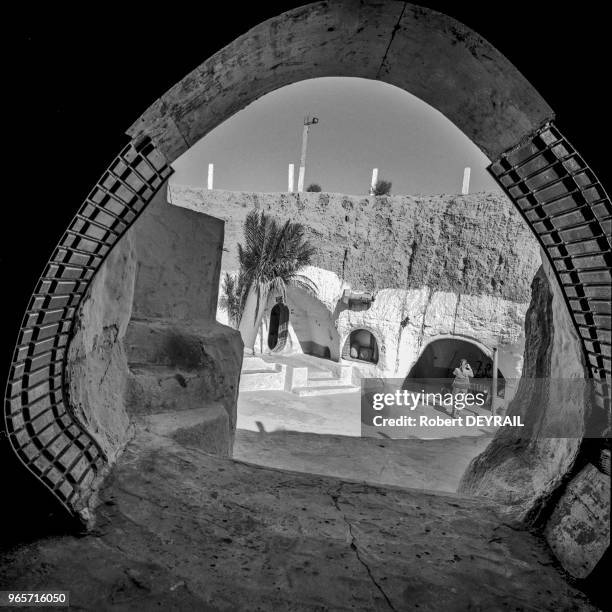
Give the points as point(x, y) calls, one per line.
point(435, 465)
point(178, 529)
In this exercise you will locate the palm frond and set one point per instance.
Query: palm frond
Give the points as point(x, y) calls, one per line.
point(272, 256)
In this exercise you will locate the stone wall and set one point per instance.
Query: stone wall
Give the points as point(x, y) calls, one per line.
point(404, 322)
point(97, 371)
point(179, 262)
point(476, 244)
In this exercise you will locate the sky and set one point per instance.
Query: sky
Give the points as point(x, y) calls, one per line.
point(363, 124)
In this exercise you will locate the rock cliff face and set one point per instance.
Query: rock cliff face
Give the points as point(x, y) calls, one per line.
point(523, 469)
point(476, 244)
point(527, 470)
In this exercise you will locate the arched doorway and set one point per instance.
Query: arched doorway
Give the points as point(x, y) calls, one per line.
point(278, 327)
point(462, 76)
point(441, 356)
point(361, 345)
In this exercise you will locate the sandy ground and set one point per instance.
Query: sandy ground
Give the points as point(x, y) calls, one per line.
point(338, 414)
point(322, 435)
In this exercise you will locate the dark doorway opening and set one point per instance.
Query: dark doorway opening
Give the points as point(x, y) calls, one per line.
point(277, 330)
point(441, 357)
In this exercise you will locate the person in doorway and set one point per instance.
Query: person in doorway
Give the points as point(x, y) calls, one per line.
point(461, 383)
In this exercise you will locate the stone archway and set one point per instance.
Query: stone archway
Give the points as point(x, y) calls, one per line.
point(440, 356)
point(457, 72)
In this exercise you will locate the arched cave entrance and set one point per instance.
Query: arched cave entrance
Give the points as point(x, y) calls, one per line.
point(473, 84)
point(361, 345)
point(278, 328)
point(441, 356)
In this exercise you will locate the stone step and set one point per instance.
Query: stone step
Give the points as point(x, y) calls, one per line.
point(263, 379)
point(155, 388)
point(325, 390)
point(316, 383)
point(257, 365)
point(321, 375)
point(263, 371)
point(205, 428)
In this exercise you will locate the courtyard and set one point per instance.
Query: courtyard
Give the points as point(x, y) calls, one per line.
point(322, 434)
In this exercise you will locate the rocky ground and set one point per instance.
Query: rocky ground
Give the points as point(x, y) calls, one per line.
point(178, 529)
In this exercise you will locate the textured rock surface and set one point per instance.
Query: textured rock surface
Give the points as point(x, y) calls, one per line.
point(179, 259)
point(180, 529)
point(156, 296)
point(579, 529)
point(523, 469)
point(429, 54)
point(180, 358)
point(475, 245)
point(205, 428)
point(438, 266)
point(403, 322)
point(175, 366)
point(97, 370)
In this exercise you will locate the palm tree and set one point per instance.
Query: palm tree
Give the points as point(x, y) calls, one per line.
point(382, 188)
point(270, 261)
point(232, 297)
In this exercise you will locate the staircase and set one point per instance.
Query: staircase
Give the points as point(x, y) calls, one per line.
point(323, 381)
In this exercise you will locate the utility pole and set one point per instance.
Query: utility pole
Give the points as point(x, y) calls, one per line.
point(290, 179)
point(307, 123)
point(494, 380)
point(374, 180)
point(465, 188)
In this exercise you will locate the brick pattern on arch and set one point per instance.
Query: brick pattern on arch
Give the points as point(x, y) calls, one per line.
point(570, 213)
point(40, 425)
